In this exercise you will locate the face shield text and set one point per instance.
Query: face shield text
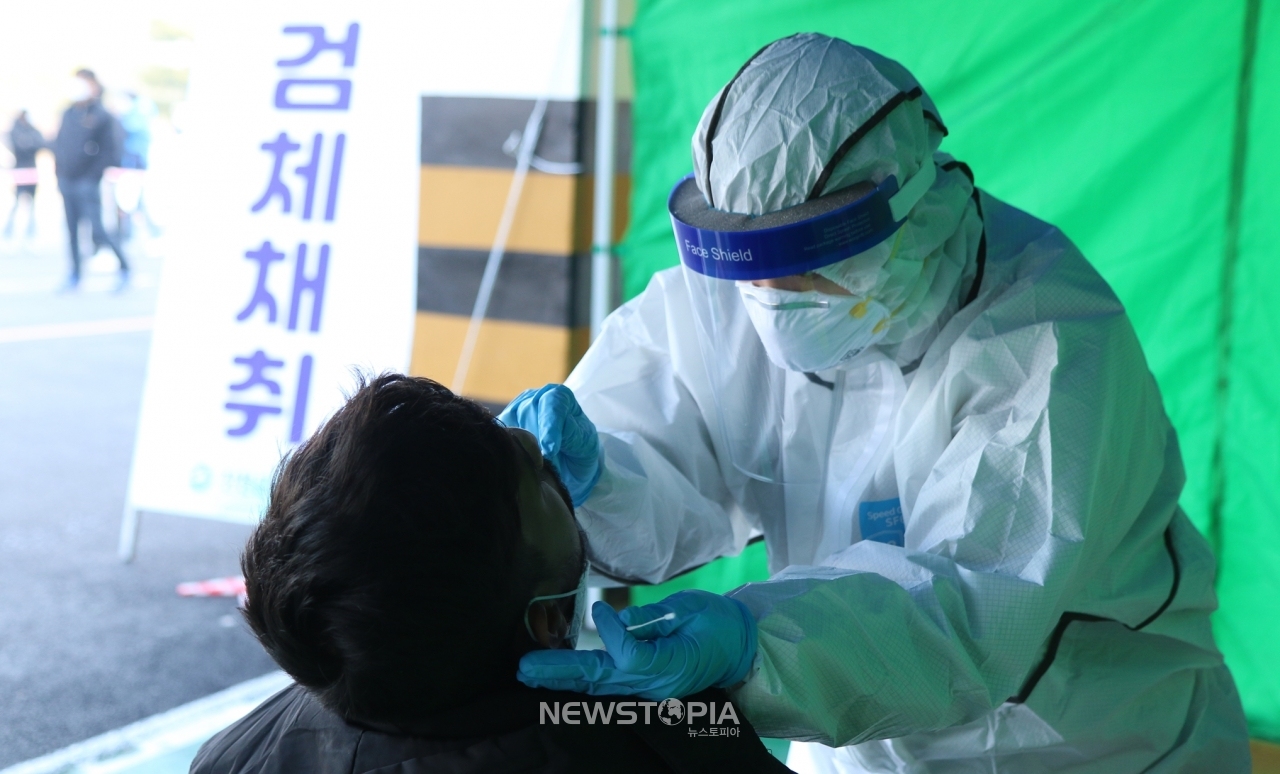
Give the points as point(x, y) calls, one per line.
point(716, 254)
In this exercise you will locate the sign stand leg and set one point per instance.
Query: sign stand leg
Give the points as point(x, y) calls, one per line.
point(129, 534)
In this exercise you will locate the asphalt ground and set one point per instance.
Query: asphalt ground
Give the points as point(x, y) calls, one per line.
point(88, 644)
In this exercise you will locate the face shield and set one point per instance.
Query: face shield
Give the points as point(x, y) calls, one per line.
point(724, 253)
point(816, 163)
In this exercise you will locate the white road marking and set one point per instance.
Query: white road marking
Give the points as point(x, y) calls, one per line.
point(116, 752)
point(75, 329)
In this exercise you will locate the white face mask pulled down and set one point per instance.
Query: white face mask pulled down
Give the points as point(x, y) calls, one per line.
point(579, 595)
point(809, 331)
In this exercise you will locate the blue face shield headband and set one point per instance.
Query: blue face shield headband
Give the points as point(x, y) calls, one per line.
point(796, 240)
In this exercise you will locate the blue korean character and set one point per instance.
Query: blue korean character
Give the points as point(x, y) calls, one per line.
point(258, 363)
point(312, 283)
point(313, 97)
point(281, 147)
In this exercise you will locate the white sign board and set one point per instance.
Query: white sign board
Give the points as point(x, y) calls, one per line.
point(295, 257)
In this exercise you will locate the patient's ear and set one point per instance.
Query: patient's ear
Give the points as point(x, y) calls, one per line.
point(549, 625)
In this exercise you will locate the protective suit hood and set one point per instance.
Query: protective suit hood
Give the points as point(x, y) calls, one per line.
point(778, 124)
point(811, 115)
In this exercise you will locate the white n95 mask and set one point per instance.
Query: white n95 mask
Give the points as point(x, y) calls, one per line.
point(79, 90)
point(808, 331)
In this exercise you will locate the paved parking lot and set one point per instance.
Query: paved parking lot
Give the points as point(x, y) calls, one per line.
point(88, 644)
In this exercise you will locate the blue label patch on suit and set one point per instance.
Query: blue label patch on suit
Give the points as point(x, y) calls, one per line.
point(882, 522)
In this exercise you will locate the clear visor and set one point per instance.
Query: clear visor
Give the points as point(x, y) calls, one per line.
point(755, 398)
point(762, 406)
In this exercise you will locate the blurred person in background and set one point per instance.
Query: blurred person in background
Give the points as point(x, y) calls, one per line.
point(136, 122)
point(89, 140)
point(24, 141)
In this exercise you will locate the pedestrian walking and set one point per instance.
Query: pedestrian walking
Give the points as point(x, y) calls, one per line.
point(136, 121)
point(89, 140)
point(24, 141)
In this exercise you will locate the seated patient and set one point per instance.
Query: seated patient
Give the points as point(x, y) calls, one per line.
point(401, 570)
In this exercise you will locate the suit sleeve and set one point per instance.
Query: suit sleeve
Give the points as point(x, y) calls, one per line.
point(661, 505)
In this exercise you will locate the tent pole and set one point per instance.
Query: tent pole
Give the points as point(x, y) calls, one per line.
point(128, 546)
point(602, 221)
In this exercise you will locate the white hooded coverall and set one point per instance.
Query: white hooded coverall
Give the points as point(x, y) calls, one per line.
point(1050, 608)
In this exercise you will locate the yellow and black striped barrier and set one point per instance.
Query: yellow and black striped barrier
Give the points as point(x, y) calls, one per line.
point(536, 326)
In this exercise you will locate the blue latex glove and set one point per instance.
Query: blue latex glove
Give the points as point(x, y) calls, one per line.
point(567, 438)
point(709, 641)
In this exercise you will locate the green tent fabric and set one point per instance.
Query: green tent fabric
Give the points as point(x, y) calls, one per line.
point(1125, 124)
point(1248, 622)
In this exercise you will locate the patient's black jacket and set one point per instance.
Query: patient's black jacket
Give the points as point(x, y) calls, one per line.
point(506, 732)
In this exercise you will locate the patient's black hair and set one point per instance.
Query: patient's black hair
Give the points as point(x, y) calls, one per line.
point(388, 574)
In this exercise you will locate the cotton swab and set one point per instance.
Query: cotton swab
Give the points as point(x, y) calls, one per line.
point(667, 617)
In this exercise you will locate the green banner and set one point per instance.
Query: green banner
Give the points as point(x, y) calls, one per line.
point(1116, 121)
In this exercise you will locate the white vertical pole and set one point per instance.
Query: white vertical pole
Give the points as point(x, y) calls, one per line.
point(602, 225)
point(128, 547)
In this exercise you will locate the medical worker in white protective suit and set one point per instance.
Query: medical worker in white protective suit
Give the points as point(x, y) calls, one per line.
point(937, 414)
